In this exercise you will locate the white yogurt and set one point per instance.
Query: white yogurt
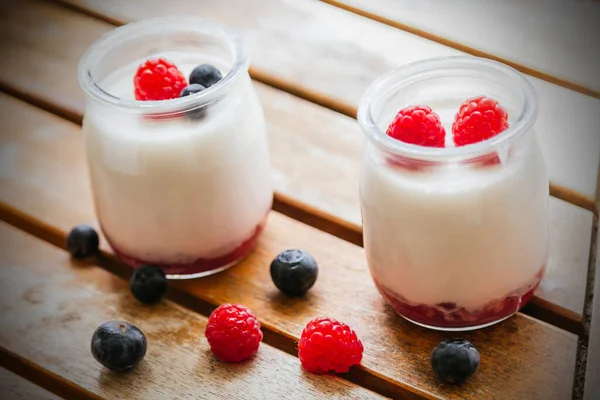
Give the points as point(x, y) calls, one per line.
point(173, 191)
point(459, 234)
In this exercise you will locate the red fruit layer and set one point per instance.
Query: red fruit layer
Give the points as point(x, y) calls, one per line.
point(450, 315)
point(199, 265)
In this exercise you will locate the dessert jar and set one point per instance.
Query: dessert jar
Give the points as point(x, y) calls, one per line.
point(183, 183)
point(456, 238)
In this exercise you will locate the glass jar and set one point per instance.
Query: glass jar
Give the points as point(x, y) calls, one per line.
point(456, 238)
point(184, 183)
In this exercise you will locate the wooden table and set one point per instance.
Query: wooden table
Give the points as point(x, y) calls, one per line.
point(311, 61)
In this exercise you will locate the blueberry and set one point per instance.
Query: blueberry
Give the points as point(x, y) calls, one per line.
point(148, 284)
point(82, 241)
point(191, 89)
point(294, 272)
point(118, 345)
point(205, 75)
point(455, 360)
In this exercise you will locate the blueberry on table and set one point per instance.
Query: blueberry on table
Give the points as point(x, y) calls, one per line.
point(82, 241)
point(294, 272)
point(455, 360)
point(118, 345)
point(148, 284)
point(205, 75)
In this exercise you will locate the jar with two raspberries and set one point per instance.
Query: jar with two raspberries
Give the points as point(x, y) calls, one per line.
point(454, 192)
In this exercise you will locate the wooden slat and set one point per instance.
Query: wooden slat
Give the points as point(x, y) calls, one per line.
point(52, 307)
point(44, 176)
point(320, 51)
point(592, 377)
point(556, 40)
point(13, 387)
point(570, 235)
point(312, 165)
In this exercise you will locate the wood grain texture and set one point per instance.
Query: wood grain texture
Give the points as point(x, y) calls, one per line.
point(52, 306)
point(556, 39)
point(315, 153)
point(45, 177)
point(303, 41)
point(13, 387)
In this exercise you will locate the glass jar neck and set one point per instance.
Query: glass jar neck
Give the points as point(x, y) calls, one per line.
point(443, 84)
point(139, 41)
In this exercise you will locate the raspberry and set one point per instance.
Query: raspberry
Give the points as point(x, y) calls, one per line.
point(478, 119)
point(328, 345)
point(158, 79)
point(418, 125)
point(233, 333)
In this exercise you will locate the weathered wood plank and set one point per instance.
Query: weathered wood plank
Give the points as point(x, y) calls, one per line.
point(52, 306)
point(303, 41)
point(315, 152)
point(556, 39)
point(44, 175)
point(13, 387)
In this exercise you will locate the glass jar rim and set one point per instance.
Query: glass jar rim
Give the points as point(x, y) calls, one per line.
point(132, 30)
point(437, 67)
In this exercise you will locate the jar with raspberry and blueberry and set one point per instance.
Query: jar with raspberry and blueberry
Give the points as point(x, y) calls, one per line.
point(176, 145)
point(454, 191)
